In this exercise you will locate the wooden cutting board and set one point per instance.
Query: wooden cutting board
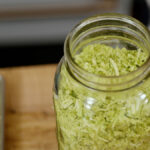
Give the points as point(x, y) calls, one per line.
point(29, 114)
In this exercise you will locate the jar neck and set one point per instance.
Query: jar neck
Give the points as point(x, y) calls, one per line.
point(107, 28)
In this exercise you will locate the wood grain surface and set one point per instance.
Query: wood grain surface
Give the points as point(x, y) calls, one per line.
point(38, 10)
point(29, 114)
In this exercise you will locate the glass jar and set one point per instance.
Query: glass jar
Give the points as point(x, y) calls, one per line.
point(96, 112)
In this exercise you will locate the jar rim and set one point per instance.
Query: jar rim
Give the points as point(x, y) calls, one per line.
point(114, 16)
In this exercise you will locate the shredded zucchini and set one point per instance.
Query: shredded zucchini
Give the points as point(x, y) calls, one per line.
point(107, 61)
point(96, 120)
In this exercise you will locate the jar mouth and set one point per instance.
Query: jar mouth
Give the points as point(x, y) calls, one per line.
point(110, 81)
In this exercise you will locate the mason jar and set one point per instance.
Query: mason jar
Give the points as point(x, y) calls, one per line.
point(95, 112)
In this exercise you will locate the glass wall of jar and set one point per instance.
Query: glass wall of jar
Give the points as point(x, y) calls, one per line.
point(95, 112)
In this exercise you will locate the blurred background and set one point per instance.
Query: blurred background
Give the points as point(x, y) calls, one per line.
point(33, 31)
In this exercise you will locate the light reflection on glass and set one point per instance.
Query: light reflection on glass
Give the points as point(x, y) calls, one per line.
point(89, 102)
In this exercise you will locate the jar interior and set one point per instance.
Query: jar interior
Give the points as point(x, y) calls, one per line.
point(114, 33)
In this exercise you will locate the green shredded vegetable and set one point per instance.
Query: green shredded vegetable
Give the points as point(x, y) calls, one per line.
point(96, 120)
point(105, 60)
